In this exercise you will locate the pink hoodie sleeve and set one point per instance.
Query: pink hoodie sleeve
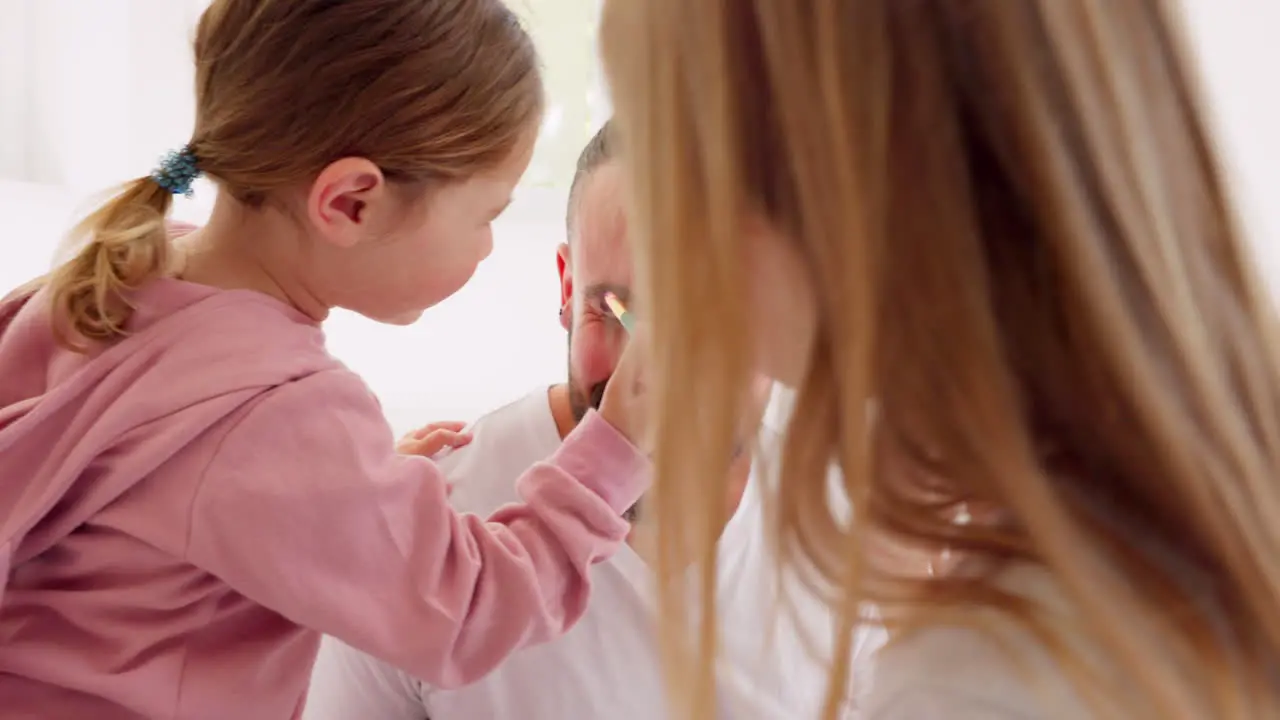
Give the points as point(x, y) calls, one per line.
point(307, 509)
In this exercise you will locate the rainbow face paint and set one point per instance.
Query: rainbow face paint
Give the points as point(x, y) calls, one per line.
point(619, 311)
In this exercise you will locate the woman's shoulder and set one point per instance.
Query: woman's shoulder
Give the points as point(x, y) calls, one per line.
point(961, 673)
point(953, 673)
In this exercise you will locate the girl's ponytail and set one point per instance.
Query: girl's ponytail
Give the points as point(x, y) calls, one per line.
point(127, 245)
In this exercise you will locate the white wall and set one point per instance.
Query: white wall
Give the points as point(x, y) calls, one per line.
point(1240, 60)
point(92, 91)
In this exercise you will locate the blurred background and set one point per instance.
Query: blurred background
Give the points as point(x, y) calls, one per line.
point(93, 92)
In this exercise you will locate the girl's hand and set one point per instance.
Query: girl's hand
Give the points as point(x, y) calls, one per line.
point(624, 404)
point(431, 439)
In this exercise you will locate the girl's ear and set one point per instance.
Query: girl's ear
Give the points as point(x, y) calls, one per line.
point(343, 198)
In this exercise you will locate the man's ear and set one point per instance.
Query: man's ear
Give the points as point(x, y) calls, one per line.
point(341, 198)
point(564, 266)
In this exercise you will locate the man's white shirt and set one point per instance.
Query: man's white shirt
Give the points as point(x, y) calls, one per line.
point(608, 665)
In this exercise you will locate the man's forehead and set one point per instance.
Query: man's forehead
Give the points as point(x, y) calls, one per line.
point(599, 243)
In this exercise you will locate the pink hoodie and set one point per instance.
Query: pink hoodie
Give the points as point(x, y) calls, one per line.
point(186, 511)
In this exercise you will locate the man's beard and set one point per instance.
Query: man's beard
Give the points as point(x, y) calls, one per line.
point(580, 403)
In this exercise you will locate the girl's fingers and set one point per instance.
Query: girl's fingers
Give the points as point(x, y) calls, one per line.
point(433, 443)
point(450, 425)
point(450, 438)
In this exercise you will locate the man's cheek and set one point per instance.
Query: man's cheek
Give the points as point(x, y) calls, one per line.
point(593, 360)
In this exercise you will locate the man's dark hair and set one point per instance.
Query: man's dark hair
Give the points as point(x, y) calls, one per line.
point(599, 150)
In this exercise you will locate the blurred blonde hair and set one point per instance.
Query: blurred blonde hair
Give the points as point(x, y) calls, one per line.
point(1021, 247)
point(431, 92)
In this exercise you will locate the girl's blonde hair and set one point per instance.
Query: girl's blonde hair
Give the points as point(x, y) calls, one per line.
point(1022, 250)
point(429, 90)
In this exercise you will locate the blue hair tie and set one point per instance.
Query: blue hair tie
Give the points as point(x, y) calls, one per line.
point(177, 171)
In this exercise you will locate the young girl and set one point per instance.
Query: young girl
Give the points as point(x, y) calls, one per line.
point(999, 225)
point(193, 489)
